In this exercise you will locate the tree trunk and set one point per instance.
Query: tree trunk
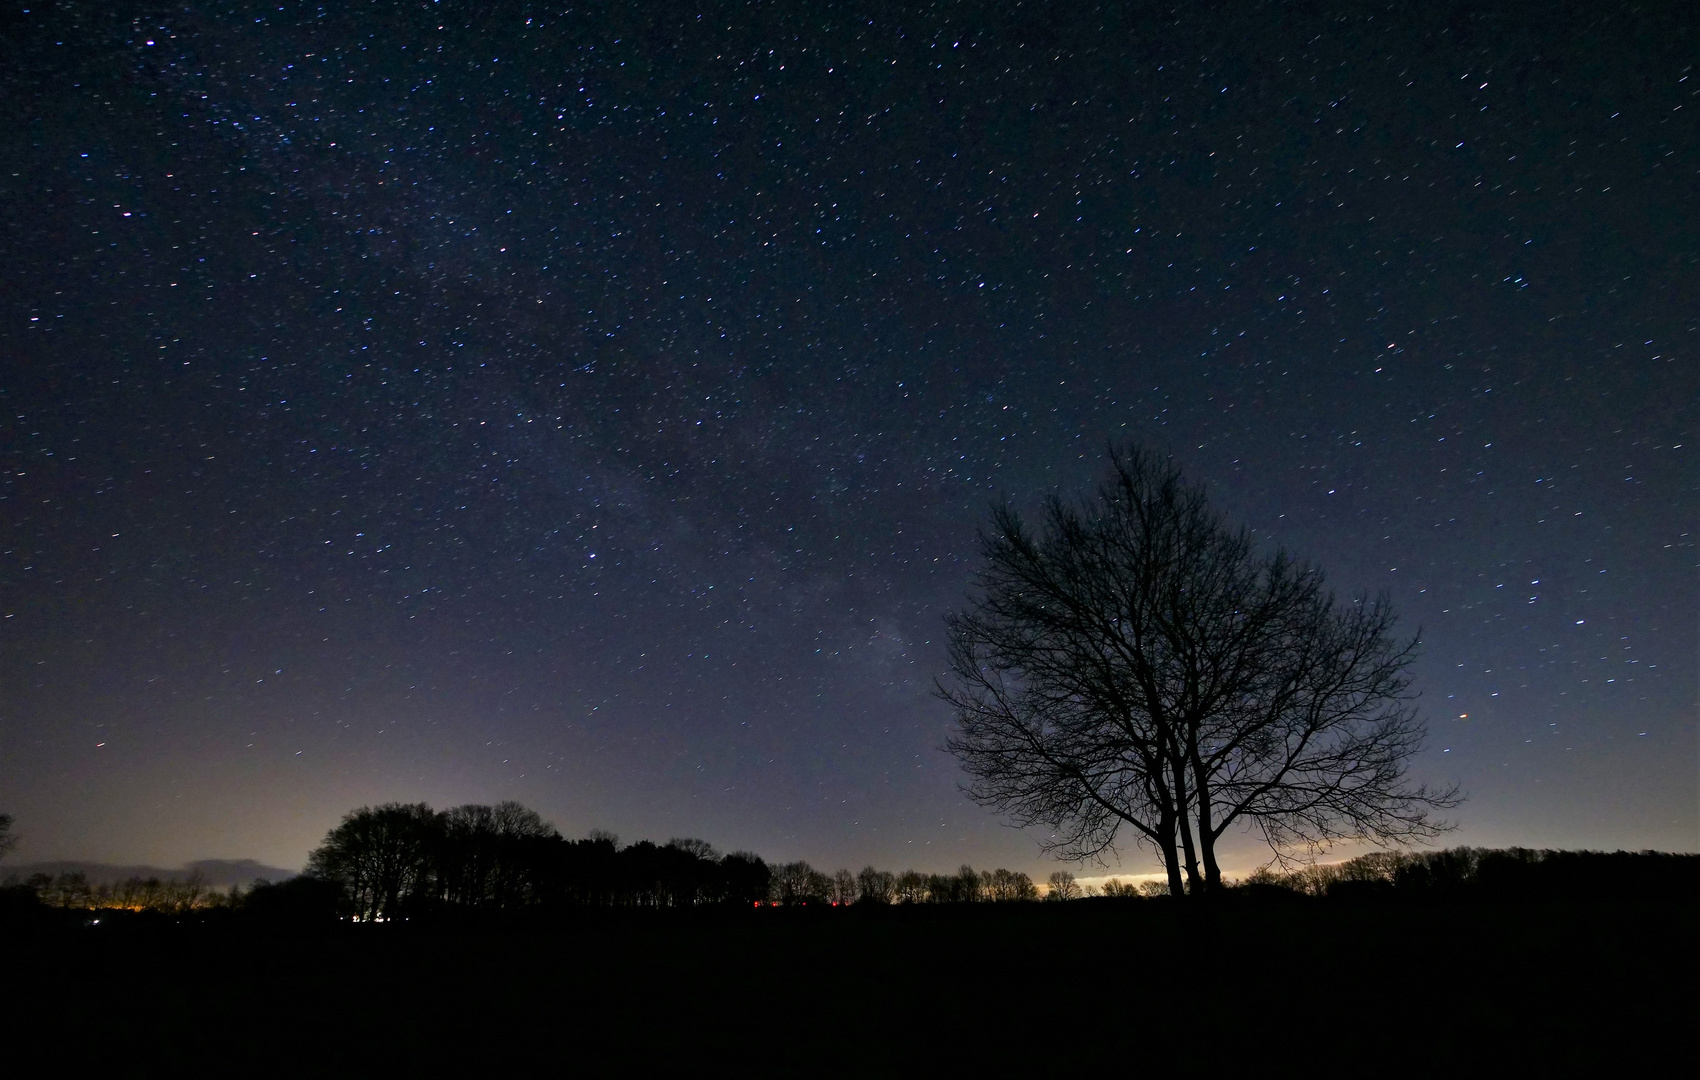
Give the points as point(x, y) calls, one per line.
point(1194, 885)
point(1212, 872)
point(1206, 830)
point(1171, 857)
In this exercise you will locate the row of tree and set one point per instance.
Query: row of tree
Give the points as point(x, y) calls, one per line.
point(665, 876)
point(403, 860)
point(795, 883)
point(1487, 873)
point(407, 860)
point(73, 889)
point(798, 882)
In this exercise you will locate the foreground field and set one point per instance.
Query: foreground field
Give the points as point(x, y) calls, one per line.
point(1251, 983)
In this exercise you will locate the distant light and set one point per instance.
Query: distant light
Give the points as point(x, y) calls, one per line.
point(1578, 622)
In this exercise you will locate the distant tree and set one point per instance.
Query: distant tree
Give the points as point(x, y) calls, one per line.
point(962, 887)
point(1006, 885)
point(912, 887)
point(578, 873)
point(486, 856)
point(746, 876)
point(1135, 662)
point(643, 875)
point(818, 889)
point(876, 886)
point(795, 883)
point(700, 849)
point(844, 887)
point(400, 860)
point(1063, 887)
point(694, 872)
point(382, 857)
point(70, 889)
point(8, 838)
point(1119, 889)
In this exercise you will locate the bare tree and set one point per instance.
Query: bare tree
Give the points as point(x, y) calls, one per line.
point(1063, 887)
point(483, 854)
point(797, 883)
point(1136, 662)
point(876, 886)
point(700, 849)
point(8, 838)
point(910, 887)
point(1005, 885)
point(381, 856)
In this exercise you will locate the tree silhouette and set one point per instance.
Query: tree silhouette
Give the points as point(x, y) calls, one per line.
point(8, 838)
point(1135, 662)
point(876, 886)
point(485, 856)
point(504, 862)
point(844, 887)
point(1063, 887)
point(747, 878)
point(381, 856)
point(911, 887)
point(1006, 885)
point(799, 883)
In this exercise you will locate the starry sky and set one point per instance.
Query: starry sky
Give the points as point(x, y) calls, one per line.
point(595, 406)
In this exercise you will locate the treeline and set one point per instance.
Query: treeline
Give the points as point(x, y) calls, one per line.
point(74, 890)
point(1489, 873)
point(401, 860)
point(410, 862)
point(799, 882)
point(406, 861)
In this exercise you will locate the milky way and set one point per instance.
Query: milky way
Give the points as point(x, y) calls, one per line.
point(595, 408)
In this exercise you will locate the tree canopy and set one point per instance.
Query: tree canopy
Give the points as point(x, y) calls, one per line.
point(1134, 661)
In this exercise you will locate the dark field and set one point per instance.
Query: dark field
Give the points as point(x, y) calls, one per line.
point(1255, 983)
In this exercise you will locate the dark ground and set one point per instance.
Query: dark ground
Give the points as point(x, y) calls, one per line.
point(1379, 987)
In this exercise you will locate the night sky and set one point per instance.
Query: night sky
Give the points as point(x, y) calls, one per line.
point(595, 407)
